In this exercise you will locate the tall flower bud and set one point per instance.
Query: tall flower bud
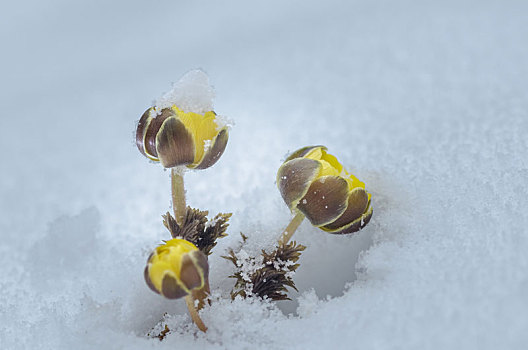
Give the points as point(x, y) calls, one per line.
point(174, 137)
point(313, 182)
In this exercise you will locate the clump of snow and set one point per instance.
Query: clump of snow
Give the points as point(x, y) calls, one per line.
point(308, 303)
point(192, 93)
point(248, 264)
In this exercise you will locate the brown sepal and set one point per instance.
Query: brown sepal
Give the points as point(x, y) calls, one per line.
point(356, 225)
point(202, 294)
point(301, 152)
point(190, 276)
point(357, 205)
point(294, 179)
point(142, 126)
point(325, 201)
point(149, 282)
point(174, 144)
point(215, 151)
point(147, 130)
point(170, 288)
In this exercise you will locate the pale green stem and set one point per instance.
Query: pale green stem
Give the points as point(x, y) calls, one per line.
point(291, 228)
point(178, 195)
point(194, 314)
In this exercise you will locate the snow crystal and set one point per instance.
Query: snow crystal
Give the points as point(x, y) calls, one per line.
point(249, 264)
point(207, 145)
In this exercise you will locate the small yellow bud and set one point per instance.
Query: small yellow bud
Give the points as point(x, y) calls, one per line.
point(316, 184)
point(176, 268)
point(174, 137)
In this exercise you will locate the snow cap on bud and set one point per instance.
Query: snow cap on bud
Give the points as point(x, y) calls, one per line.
point(174, 137)
point(316, 184)
point(176, 268)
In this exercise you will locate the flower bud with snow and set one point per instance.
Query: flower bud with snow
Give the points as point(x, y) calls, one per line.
point(176, 268)
point(174, 137)
point(316, 184)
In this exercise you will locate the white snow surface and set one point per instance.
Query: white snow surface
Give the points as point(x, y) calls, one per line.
point(426, 102)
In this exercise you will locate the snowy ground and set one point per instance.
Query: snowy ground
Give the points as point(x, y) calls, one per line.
point(425, 102)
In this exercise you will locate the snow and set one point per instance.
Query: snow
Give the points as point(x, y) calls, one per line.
point(425, 102)
point(192, 93)
point(223, 121)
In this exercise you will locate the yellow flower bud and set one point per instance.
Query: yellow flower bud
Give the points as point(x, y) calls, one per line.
point(316, 184)
point(176, 268)
point(175, 137)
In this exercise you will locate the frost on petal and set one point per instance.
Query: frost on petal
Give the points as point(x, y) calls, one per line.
point(223, 122)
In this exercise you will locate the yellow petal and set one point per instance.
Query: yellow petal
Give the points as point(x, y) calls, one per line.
point(203, 129)
point(167, 258)
point(332, 167)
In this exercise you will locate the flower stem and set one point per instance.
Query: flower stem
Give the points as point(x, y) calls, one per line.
point(194, 314)
point(178, 195)
point(290, 229)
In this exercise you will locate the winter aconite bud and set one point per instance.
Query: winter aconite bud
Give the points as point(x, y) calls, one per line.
point(174, 137)
point(316, 184)
point(176, 268)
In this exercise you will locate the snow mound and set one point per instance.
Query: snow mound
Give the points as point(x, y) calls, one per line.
point(192, 93)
